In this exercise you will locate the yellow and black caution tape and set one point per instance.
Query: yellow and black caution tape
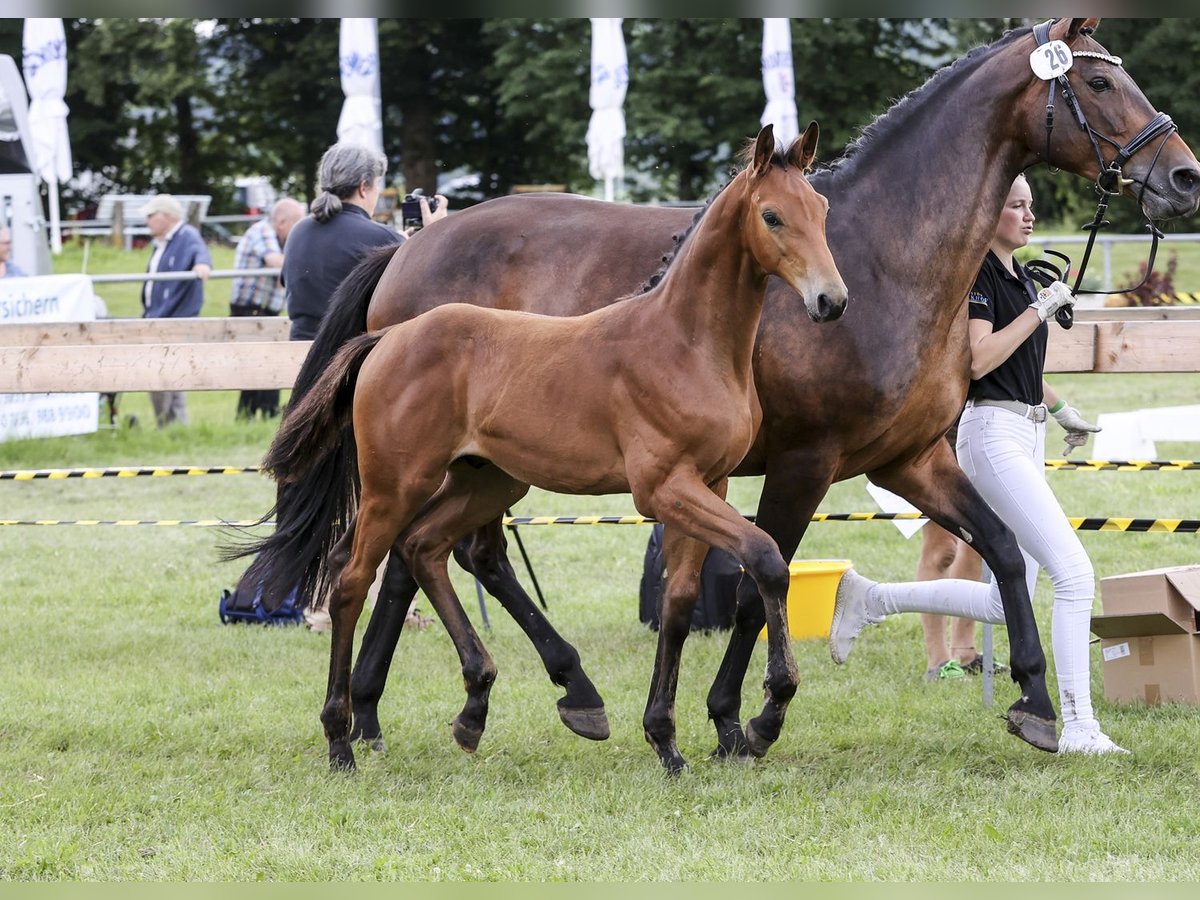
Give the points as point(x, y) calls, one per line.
point(1155, 526)
point(124, 472)
point(186, 523)
point(1122, 465)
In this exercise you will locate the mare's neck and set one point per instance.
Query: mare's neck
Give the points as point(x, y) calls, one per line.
point(714, 289)
point(924, 191)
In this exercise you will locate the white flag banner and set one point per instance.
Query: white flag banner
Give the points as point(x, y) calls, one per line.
point(47, 298)
point(361, 121)
point(610, 78)
point(779, 81)
point(44, 64)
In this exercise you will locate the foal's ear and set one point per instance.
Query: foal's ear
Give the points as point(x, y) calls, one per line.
point(764, 150)
point(804, 148)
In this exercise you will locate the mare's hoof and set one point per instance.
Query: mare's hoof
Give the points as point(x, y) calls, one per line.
point(731, 745)
point(465, 736)
point(587, 723)
point(755, 742)
point(341, 759)
point(1034, 730)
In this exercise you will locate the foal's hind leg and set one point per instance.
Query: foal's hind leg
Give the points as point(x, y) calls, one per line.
point(354, 560)
point(581, 709)
point(470, 497)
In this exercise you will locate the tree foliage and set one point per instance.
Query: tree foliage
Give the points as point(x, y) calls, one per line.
point(188, 105)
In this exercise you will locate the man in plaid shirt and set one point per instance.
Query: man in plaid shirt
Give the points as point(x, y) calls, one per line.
point(261, 247)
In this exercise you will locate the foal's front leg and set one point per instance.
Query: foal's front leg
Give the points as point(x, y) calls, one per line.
point(686, 503)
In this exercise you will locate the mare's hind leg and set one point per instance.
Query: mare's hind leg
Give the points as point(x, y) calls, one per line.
point(792, 490)
point(484, 554)
point(938, 487)
point(471, 497)
point(377, 649)
point(685, 502)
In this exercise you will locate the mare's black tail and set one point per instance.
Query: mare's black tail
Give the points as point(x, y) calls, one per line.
point(312, 511)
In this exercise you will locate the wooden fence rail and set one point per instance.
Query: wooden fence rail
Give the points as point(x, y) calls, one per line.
point(213, 354)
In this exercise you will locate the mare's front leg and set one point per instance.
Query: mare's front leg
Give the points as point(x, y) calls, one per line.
point(378, 646)
point(684, 558)
point(794, 486)
point(581, 709)
point(688, 504)
point(939, 488)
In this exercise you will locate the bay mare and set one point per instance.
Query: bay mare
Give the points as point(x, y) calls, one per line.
point(456, 413)
point(912, 207)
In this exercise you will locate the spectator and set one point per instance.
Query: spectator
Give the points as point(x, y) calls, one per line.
point(261, 247)
point(326, 245)
point(8, 268)
point(178, 247)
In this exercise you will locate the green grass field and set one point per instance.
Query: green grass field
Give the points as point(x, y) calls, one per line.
point(141, 740)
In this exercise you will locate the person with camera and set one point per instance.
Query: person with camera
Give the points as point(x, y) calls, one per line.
point(1002, 448)
point(417, 211)
point(325, 245)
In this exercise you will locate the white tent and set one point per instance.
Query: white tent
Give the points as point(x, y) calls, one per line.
point(606, 130)
point(45, 70)
point(361, 121)
point(779, 81)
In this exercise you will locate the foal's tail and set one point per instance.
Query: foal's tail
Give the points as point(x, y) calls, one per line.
point(313, 427)
point(312, 511)
point(328, 493)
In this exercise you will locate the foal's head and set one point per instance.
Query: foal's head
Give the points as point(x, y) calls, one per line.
point(784, 222)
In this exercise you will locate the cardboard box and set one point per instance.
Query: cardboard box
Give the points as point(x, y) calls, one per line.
point(1161, 668)
point(1150, 646)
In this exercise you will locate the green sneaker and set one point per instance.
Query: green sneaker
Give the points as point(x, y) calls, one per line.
point(950, 670)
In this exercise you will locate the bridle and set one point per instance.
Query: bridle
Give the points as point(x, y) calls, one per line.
point(1110, 181)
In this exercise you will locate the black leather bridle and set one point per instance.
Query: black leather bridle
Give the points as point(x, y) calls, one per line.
point(1110, 180)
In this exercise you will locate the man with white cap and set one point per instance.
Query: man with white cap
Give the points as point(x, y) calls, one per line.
point(178, 247)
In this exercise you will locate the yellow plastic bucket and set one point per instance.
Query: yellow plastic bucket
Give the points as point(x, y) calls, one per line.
point(811, 593)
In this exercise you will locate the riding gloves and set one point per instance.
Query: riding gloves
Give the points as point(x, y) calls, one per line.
point(1051, 299)
point(1076, 426)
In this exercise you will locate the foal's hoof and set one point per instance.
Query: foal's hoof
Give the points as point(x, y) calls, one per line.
point(1035, 730)
point(587, 723)
point(466, 736)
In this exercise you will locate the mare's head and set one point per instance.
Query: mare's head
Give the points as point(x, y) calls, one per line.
point(784, 222)
point(1109, 116)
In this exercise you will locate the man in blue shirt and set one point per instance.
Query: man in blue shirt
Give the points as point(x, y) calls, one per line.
point(178, 247)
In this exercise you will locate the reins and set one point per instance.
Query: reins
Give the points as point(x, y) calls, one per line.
point(1110, 181)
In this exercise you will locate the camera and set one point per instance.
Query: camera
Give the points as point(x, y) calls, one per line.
point(410, 209)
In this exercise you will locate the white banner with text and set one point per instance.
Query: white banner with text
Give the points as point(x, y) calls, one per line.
point(47, 298)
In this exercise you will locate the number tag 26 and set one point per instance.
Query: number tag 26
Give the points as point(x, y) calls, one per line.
point(1051, 60)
